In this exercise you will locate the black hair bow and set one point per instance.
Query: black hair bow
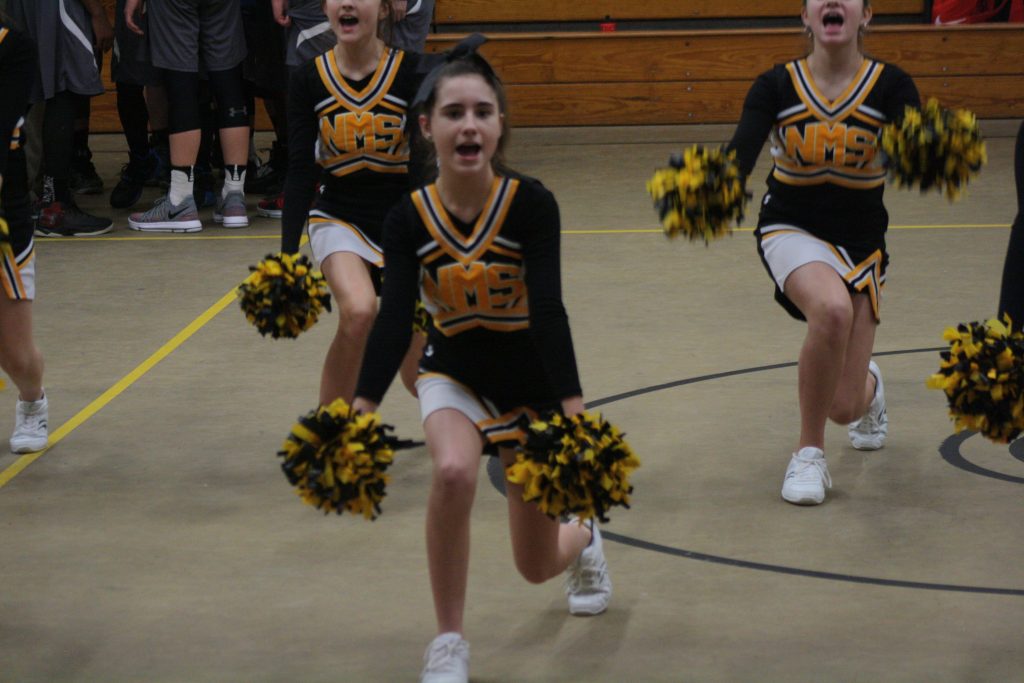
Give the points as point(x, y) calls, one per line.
point(465, 49)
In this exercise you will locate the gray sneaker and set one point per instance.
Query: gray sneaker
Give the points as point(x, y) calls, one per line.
point(166, 217)
point(230, 211)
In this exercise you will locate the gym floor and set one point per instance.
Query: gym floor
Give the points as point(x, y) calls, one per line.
point(157, 539)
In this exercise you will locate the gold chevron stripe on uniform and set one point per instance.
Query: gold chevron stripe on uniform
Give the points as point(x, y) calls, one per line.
point(365, 99)
point(851, 98)
point(466, 249)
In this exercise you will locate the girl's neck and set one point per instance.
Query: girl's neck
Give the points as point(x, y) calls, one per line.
point(464, 197)
point(359, 60)
point(838, 62)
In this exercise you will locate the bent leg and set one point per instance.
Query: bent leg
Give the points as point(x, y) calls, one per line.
point(349, 280)
point(455, 446)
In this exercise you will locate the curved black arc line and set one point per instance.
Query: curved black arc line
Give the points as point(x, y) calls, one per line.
point(1017, 449)
point(950, 452)
point(730, 373)
point(495, 473)
point(810, 573)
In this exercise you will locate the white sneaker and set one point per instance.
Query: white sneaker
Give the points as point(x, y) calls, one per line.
point(806, 477)
point(446, 660)
point(869, 432)
point(587, 583)
point(30, 433)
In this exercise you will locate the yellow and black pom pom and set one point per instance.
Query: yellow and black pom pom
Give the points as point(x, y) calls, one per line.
point(421, 321)
point(934, 148)
point(336, 459)
point(283, 295)
point(982, 376)
point(576, 465)
point(700, 195)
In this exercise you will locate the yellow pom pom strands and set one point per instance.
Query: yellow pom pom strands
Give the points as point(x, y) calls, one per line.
point(700, 195)
point(574, 465)
point(982, 376)
point(934, 148)
point(283, 296)
point(422, 320)
point(337, 459)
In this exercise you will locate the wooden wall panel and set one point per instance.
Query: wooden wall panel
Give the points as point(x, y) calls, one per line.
point(488, 11)
point(641, 77)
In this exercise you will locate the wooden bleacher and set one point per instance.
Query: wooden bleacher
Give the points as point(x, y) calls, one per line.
point(638, 77)
point(518, 11)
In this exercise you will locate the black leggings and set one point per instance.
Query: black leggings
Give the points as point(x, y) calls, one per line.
point(183, 101)
point(1011, 295)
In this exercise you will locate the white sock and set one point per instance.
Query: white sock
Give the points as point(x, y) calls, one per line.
point(181, 185)
point(234, 179)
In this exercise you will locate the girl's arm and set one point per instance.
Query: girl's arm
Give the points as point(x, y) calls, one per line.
point(303, 171)
point(392, 330)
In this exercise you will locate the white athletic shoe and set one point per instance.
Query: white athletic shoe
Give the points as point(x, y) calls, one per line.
point(806, 477)
point(30, 432)
point(869, 432)
point(446, 660)
point(587, 583)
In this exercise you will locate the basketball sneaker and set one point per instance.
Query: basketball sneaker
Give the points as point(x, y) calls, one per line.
point(166, 217)
point(230, 211)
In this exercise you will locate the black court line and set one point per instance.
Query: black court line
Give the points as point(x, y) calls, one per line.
point(950, 449)
point(1017, 449)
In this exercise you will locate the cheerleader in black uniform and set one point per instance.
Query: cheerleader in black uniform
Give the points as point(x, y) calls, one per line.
point(1011, 295)
point(346, 125)
point(821, 231)
point(481, 247)
point(19, 357)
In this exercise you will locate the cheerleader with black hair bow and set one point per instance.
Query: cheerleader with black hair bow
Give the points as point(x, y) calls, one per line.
point(482, 245)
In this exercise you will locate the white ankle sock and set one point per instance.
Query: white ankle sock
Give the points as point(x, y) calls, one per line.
point(181, 185)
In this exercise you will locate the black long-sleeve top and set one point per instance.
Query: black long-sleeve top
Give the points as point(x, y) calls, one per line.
point(827, 175)
point(493, 288)
point(351, 137)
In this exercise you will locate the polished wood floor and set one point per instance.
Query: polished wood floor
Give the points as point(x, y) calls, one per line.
point(157, 540)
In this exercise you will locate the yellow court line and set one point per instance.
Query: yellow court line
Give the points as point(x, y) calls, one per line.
point(110, 394)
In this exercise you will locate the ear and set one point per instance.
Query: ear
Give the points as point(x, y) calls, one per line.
point(869, 12)
point(425, 126)
point(805, 17)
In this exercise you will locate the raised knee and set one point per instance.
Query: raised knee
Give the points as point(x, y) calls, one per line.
point(357, 316)
point(455, 479)
point(532, 573)
point(832, 318)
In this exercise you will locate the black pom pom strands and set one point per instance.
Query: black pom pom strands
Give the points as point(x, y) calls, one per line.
point(982, 376)
point(934, 148)
point(283, 295)
point(336, 459)
point(576, 465)
point(700, 194)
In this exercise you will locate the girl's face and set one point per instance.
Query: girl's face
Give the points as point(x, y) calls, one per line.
point(354, 20)
point(465, 124)
point(835, 22)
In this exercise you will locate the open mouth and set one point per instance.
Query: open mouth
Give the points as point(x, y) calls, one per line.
point(348, 21)
point(832, 19)
point(468, 150)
